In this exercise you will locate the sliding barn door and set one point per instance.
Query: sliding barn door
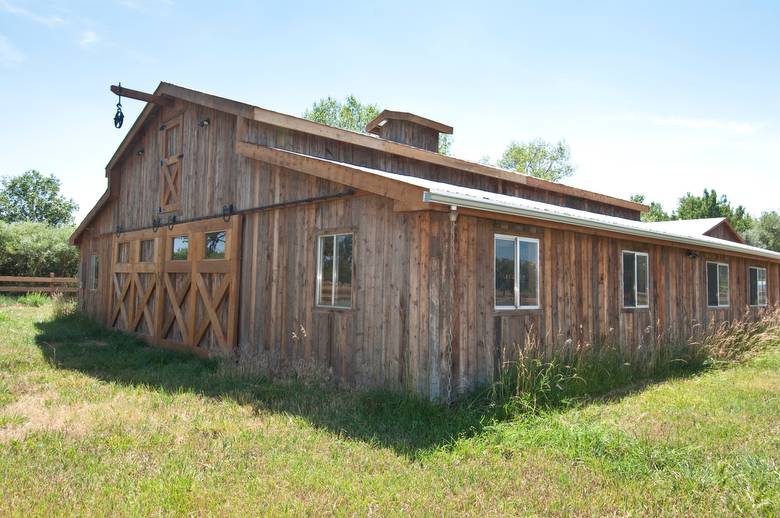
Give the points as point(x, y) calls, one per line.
point(179, 287)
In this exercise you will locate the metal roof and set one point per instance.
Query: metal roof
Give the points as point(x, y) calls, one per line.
point(448, 194)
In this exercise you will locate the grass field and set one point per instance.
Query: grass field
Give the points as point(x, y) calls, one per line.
point(95, 423)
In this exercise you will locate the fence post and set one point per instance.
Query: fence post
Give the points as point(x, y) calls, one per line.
point(51, 283)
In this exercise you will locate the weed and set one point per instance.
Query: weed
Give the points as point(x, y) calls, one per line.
point(34, 299)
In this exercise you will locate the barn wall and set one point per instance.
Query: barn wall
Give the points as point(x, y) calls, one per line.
point(263, 134)
point(212, 173)
point(281, 328)
point(96, 241)
point(423, 304)
point(580, 296)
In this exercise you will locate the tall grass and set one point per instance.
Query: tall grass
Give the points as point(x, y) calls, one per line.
point(530, 380)
point(34, 298)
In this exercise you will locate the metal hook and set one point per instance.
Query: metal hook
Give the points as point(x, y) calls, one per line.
point(227, 211)
point(171, 221)
point(156, 224)
point(119, 117)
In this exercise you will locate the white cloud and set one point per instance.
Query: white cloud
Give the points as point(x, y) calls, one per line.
point(44, 19)
point(9, 55)
point(699, 123)
point(88, 38)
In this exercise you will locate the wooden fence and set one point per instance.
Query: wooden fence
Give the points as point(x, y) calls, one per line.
point(40, 284)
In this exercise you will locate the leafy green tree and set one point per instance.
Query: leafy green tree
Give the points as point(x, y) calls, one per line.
point(766, 231)
point(539, 158)
point(350, 114)
point(710, 205)
point(37, 249)
point(35, 197)
point(354, 115)
point(656, 212)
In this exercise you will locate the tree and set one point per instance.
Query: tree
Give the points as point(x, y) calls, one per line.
point(656, 212)
point(37, 249)
point(36, 198)
point(766, 231)
point(351, 114)
point(354, 115)
point(709, 205)
point(538, 158)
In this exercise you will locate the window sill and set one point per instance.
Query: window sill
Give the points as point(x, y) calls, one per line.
point(635, 310)
point(515, 311)
point(328, 309)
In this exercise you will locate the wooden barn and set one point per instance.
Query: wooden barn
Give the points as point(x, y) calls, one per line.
point(289, 246)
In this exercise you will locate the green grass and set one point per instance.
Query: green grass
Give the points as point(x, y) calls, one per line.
point(93, 422)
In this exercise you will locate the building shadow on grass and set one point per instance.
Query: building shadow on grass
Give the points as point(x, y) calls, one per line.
point(404, 423)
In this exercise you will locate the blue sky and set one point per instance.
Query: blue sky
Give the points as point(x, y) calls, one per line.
point(655, 98)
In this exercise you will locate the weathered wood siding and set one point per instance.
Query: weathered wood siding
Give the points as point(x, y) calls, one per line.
point(581, 297)
point(723, 231)
point(96, 241)
point(263, 134)
point(423, 315)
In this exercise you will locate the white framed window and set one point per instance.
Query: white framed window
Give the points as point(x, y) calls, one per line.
point(516, 272)
point(94, 270)
point(717, 285)
point(636, 279)
point(757, 286)
point(334, 271)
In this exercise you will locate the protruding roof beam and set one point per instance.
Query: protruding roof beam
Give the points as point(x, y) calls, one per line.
point(141, 96)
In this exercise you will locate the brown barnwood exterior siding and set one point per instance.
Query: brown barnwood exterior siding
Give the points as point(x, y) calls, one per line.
point(264, 134)
point(421, 282)
point(724, 231)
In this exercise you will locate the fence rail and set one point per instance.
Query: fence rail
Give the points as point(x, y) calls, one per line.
point(42, 284)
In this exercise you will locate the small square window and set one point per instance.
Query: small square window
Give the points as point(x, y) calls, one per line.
point(516, 274)
point(215, 245)
point(146, 254)
point(123, 252)
point(180, 248)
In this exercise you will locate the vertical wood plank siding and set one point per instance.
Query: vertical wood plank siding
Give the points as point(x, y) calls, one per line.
point(423, 316)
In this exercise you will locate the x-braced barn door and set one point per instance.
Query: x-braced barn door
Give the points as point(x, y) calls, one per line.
point(179, 287)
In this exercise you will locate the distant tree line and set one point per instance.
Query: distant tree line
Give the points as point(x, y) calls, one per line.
point(35, 224)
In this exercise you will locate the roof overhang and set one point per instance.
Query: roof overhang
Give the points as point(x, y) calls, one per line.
point(386, 115)
point(706, 242)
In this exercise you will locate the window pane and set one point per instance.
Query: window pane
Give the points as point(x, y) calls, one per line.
point(215, 245)
point(642, 281)
point(763, 288)
point(723, 285)
point(123, 252)
point(172, 141)
point(344, 271)
point(147, 251)
point(505, 272)
point(326, 271)
point(753, 286)
point(94, 267)
point(629, 273)
point(180, 248)
point(712, 284)
point(528, 273)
